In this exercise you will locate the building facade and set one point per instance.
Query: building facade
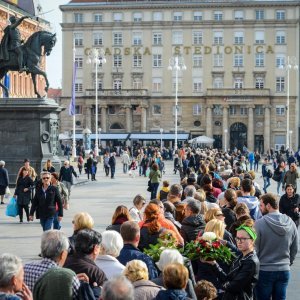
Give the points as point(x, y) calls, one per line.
point(20, 84)
point(235, 87)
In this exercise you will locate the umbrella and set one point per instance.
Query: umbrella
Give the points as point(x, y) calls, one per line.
point(202, 140)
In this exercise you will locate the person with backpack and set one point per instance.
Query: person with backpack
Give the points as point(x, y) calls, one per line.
point(265, 175)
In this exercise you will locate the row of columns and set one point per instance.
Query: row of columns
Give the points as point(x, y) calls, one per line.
point(128, 117)
point(250, 126)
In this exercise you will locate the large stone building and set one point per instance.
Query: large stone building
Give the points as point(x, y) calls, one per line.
point(20, 84)
point(235, 86)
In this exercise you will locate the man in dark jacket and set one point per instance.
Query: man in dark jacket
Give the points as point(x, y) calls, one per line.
point(44, 202)
point(193, 221)
point(130, 232)
point(65, 176)
point(87, 246)
point(112, 164)
point(4, 181)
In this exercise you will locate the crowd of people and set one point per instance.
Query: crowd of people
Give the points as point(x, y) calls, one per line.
point(216, 193)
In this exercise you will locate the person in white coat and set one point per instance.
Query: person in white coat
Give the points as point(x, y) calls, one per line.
point(135, 212)
point(125, 161)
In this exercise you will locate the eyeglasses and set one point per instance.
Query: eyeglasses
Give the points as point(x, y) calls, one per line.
point(241, 240)
point(44, 178)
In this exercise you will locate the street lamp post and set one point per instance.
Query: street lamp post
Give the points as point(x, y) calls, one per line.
point(161, 132)
point(96, 56)
point(99, 136)
point(291, 64)
point(225, 139)
point(291, 134)
point(176, 63)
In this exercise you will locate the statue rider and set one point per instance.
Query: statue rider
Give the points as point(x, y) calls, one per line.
point(11, 41)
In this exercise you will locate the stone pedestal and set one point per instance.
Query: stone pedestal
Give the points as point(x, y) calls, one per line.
point(28, 129)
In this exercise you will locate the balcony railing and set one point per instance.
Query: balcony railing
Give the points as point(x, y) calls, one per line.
point(118, 92)
point(238, 92)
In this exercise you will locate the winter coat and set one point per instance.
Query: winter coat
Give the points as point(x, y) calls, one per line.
point(291, 178)
point(4, 181)
point(288, 205)
point(23, 198)
point(191, 226)
point(147, 238)
point(229, 215)
point(172, 295)
point(145, 290)
point(65, 174)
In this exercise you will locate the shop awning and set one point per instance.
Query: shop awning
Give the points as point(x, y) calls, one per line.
point(105, 136)
point(158, 136)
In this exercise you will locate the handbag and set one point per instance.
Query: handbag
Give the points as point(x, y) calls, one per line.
point(12, 208)
point(149, 189)
point(7, 193)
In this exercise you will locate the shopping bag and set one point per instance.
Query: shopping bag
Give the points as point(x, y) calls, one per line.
point(148, 172)
point(12, 208)
point(7, 193)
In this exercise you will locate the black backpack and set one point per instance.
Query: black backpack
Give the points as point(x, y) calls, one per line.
point(269, 174)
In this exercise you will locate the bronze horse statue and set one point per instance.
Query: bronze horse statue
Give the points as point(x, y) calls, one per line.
point(38, 44)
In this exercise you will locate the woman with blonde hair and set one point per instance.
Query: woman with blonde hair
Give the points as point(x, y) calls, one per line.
point(48, 167)
point(81, 220)
point(120, 216)
point(137, 272)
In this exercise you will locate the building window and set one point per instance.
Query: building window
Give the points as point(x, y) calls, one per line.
point(197, 37)
point(78, 18)
point(98, 18)
point(98, 38)
point(280, 84)
point(156, 109)
point(218, 38)
point(218, 82)
point(117, 38)
point(177, 16)
point(238, 60)
point(157, 16)
point(280, 14)
point(280, 60)
point(78, 39)
point(179, 110)
point(137, 38)
point(197, 85)
point(157, 60)
point(177, 37)
point(111, 109)
point(137, 83)
point(118, 17)
point(218, 60)
point(78, 87)
point(117, 60)
point(238, 15)
point(259, 82)
point(238, 83)
point(197, 123)
point(243, 111)
point(217, 110)
point(78, 110)
point(280, 37)
point(218, 15)
point(259, 59)
point(197, 108)
point(259, 37)
point(137, 17)
point(239, 37)
point(156, 84)
point(137, 61)
point(232, 110)
point(117, 84)
point(179, 84)
point(197, 15)
point(79, 62)
point(279, 141)
point(259, 14)
point(157, 38)
point(259, 110)
point(280, 110)
point(197, 61)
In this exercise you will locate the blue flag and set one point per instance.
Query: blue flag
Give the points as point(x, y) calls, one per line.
point(72, 103)
point(6, 83)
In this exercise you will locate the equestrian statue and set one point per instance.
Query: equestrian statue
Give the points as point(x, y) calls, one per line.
point(17, 55)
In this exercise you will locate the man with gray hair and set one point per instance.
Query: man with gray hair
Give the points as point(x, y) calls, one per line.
point(193, 221)
point(118, 288)
point(189, 193)
point(54, 251)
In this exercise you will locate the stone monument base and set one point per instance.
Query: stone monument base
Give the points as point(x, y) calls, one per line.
point(28, 129)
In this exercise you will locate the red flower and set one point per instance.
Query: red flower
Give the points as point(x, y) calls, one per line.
point(216, 244)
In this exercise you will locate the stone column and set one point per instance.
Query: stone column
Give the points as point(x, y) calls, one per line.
point(209, 121)
point(103, 118)
point(225, 127)
point(88, 118)
point(267, 127)
point(144, 119)
point(128, 118)
point(250, 132)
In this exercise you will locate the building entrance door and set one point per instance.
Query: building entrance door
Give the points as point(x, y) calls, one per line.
point(238, 136)
point(218, 141)
point(259, 143)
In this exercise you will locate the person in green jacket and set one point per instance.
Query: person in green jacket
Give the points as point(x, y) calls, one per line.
point(155, 177)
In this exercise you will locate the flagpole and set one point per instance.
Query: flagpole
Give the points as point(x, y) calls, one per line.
point(74, 132)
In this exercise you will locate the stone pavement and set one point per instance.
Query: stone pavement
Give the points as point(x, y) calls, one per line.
point(99, 198)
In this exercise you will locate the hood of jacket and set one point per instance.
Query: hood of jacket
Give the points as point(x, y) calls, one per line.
point(250, 201)
point(194, 221)
point(171, 295)
point(279, 223)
